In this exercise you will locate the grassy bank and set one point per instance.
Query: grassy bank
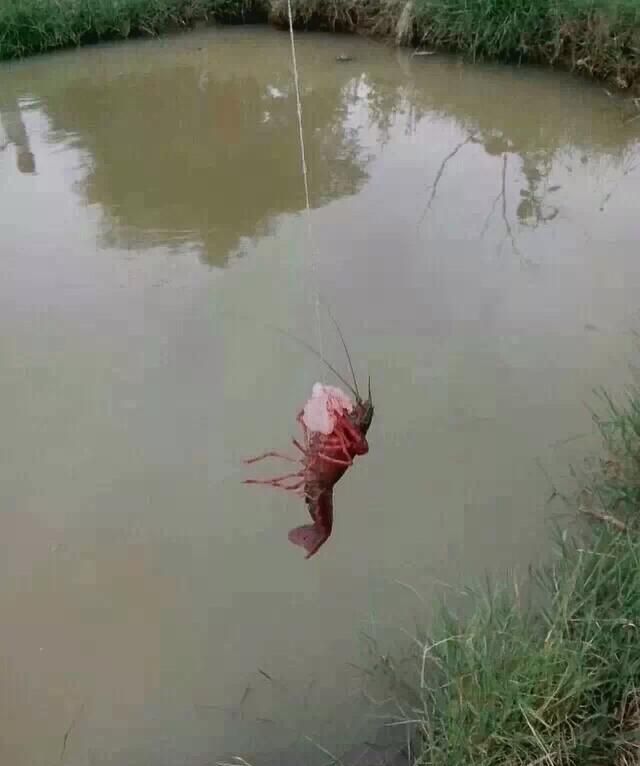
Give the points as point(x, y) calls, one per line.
point(555, 680)
point(600, 37)
point(34, 26)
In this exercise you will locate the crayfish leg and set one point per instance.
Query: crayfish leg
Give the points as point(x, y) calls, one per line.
point(338, 446)
point(303, 425)
point(276, 481)
point(335, 460)
point(297, 444)
point(272, 453)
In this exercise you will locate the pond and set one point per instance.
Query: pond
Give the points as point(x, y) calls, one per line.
point(475, 233)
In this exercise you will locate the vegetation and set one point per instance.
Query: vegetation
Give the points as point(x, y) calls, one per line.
point(34, 26)
point(556, 680)
point(601, 37)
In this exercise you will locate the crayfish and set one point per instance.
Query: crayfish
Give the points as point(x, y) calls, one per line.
point(334, 432)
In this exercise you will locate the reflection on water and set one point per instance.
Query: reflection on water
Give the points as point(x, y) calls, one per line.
point(16, 133)
point(219, 160)
point(154, 610)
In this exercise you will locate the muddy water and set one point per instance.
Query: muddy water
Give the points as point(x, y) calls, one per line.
point(477, 236)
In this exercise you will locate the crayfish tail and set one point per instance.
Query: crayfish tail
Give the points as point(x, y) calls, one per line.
point(312, 536)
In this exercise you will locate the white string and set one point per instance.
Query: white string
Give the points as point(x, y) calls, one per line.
point(305, 175)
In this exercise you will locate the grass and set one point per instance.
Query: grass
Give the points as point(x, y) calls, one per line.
point(552, 679)
point(599, 37)
point(558, 684)
point(34, 26)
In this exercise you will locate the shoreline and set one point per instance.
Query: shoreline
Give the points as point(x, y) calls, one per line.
point(545, 672)
point(598, 38)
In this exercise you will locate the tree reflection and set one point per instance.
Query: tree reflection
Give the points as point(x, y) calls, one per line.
point(488, 104)
point(15, 131)
point(534, 209)
point(185, 156)
point(190, 150)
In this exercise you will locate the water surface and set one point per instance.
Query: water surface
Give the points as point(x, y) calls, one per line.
point(476, 233)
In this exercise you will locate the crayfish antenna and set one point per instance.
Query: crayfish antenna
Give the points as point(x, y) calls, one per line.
point(300, 341)
point(346, 351)
point(315, 352)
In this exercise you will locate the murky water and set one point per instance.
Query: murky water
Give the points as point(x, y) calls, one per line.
point(477, 236)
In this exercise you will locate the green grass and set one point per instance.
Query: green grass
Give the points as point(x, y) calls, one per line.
point(599, 37)
point(553, 679)
point(558, 684)
point(35, 26)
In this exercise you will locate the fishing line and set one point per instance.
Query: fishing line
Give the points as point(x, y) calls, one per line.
point(312, 248)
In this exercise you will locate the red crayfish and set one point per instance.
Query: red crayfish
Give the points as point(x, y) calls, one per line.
point(334, 432)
